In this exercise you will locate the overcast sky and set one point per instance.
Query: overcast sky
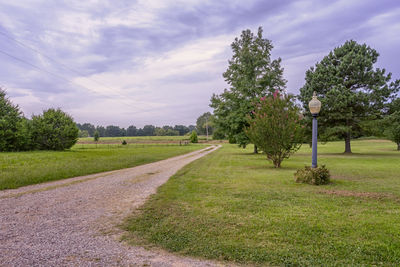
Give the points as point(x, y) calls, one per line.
point(159, 61)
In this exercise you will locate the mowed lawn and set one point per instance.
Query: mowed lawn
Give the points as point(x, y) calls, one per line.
point(232, 205)
point(24, 168)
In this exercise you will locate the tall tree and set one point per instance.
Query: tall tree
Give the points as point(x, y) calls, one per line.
point(131, 131)
point(251, 74)
point(149, 130)
point(101, 130)
point(182, 129)
point(203, 122)
point(350, 89)
point(392, 129)
point(87, 127)
point(391, 122)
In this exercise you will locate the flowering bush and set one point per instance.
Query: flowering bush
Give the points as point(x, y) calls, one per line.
point(275, 127)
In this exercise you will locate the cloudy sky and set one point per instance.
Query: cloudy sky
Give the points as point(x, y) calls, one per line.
point(159, 61)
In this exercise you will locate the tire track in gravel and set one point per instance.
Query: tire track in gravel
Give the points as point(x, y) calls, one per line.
point(73, 222)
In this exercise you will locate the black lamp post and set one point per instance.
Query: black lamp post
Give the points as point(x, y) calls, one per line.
point(315, 107)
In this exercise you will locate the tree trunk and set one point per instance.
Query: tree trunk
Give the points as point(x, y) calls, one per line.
point(347, 143)
point(255, 149)
point(398, 146)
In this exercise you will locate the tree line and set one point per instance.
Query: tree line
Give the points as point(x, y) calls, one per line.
point(56, 130)
point(203, 126)
point(89, 130)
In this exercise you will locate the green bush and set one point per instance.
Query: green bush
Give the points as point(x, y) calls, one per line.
point(124, 142)
point(193, 137)
point(96, 136)
point(14, 135)
point(275, 127)
point(315, 176)
point(54, 130)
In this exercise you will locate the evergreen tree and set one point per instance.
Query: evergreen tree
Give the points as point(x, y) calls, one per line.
point(350, 89)
point(193, 137)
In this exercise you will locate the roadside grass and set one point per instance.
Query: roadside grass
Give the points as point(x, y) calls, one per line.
point(232, 205)
point(24, 168)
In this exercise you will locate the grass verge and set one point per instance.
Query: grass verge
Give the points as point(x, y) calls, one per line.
point(232, 205)
point(24, 168)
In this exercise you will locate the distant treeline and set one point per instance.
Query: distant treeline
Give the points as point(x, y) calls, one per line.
point(88, 130)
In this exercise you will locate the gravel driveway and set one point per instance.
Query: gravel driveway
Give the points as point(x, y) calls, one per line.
point(73, 222)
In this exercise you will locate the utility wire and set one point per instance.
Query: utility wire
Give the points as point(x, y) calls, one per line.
point(60, 63)
point(53, 74)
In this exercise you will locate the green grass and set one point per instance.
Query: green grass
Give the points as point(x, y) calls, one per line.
point(232, 205)
point(24, 168)
point(138, 139)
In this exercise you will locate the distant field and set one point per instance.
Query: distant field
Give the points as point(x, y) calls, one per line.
point(24, 168)
point(142, 139)
point(233, 205)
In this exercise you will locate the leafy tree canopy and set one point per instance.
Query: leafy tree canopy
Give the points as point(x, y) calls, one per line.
point(392, 129)
point(251, 74)
point(351, 91)
point(204, 121)
point(54, 130)
point(14, 134)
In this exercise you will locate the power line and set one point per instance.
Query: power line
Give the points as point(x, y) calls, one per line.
point(53, 74)
point(61, 64)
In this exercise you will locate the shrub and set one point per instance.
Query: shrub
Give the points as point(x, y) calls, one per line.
point(14, 133)
point(54, 130)
point(275, 127)
point(193, 137)
point(96, 136)
point(124, 142)
point(315, 176)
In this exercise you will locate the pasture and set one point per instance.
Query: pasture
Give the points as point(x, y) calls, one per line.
point(24, 168)
point(141, 139)
point(234, 206)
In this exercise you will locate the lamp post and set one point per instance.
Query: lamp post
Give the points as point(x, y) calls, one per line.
point(315, 107)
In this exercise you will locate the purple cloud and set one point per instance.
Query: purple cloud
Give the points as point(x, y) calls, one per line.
point(159, 62)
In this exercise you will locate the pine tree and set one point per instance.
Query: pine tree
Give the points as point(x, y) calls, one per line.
point(350, 89)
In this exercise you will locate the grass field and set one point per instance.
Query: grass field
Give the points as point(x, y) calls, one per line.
point(24, 168)
point(232, 205)
point(141, 139)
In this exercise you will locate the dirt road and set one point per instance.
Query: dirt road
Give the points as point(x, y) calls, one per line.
point(73, 222)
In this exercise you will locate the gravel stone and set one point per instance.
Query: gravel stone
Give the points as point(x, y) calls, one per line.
point(74, 222)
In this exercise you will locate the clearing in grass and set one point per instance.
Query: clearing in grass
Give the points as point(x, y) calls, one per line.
point(233, 205)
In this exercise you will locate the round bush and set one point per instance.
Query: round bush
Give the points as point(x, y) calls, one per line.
point(54, 130)
point(314, 176)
